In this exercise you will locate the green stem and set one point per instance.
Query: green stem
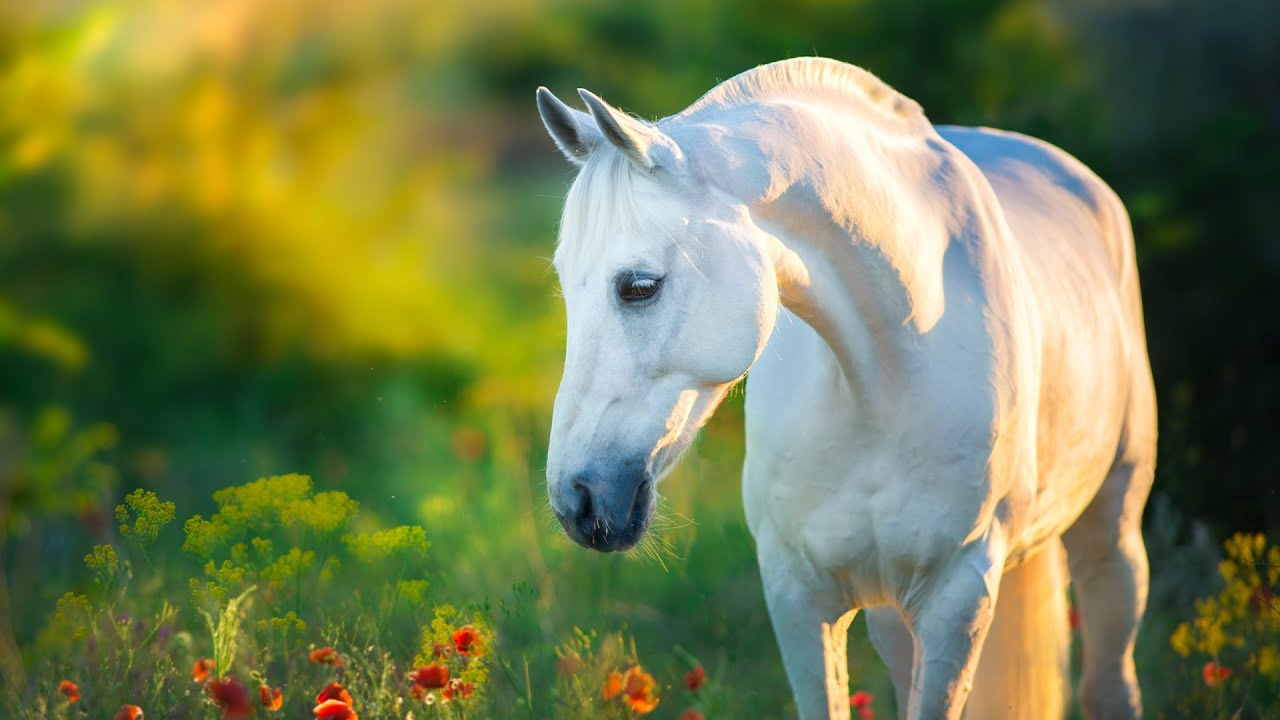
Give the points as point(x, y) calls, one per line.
point(395, 597)
point(10, 657)
point(165, 612)
point(297, 587)
point(510, 675)
point(115, 627)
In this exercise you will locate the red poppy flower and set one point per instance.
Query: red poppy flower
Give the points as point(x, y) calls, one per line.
point(430, 677)
point(691, 714)
point(1214, 673)
point(695, 678)
point(638, 690)
point(200, 671)
point(612, 686)
point(335, 710)
point(467, 640)
point(417, 692)
point(231, 697)
point(128, 712)
point(69, 691)
point(326, 656)
point(334, 691)
point(441, 650)
point(271, 699)
point(861, 701)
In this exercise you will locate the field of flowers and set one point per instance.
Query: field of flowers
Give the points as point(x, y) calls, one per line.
point(285, 628)
point(296, 610)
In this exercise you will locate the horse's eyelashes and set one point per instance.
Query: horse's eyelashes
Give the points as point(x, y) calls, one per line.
point(636, 287)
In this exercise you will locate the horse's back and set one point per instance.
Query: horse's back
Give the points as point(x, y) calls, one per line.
point(1072, 235)
point(1059, 210)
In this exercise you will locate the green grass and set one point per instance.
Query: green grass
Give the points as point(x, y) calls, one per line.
point(476, 487)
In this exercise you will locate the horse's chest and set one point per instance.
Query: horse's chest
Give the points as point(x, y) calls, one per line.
point(848, 495)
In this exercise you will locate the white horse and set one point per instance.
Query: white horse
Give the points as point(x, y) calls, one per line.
point(949, 378)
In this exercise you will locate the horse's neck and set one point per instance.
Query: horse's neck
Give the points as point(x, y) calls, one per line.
point(861, 220)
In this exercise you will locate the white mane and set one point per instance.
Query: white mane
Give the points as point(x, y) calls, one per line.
point(813, 76)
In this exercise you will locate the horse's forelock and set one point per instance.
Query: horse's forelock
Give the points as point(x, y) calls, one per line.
point(601, 207)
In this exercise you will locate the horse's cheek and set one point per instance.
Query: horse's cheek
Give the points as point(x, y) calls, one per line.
point(742, 313)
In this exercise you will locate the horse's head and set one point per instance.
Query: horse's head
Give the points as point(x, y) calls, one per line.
point(670, 297)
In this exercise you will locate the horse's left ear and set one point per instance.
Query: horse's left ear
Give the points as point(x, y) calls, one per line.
point(573, 131)
point(644, 145)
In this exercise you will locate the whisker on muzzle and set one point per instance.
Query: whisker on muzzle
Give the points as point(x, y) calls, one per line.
point(547, 517)
point(656, 546)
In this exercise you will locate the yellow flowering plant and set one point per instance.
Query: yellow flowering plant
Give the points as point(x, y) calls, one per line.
point(1234, 639)
point(289, 599)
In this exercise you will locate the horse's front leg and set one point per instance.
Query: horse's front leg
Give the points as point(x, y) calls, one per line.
point(949, 614)
point(895, 646)
point(811, 621)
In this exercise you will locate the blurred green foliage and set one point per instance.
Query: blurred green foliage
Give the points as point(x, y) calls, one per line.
point(251, 238)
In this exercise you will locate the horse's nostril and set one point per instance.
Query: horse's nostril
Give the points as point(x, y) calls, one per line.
point(582, 511)
point(606, 509)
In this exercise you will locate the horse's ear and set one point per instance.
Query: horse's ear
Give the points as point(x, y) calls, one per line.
point(572, 130)
point(645, 145)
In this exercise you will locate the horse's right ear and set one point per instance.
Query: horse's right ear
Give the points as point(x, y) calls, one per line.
point(573, 131)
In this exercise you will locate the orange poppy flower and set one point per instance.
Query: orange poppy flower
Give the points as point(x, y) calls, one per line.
point(334, 691)
point(457, 689)
point(271, 699)
point(128, 712)
point(695, 678)
point(637, 688)
point(467, 640)
point(861, 701)
point(692, 714)
point(230, 697)
point(1214, 673)
point(335, 710)
point(417, 692)
point(325, 656)
point(69, 691)
point(430, 677)
point(612, 686)
point(200, 671)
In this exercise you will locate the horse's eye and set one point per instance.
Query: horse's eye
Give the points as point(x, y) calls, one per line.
point(633, 288)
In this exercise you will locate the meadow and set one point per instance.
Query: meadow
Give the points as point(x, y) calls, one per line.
point(279, 338)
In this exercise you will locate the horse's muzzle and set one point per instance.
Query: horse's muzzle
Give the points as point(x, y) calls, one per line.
point(606, 508)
